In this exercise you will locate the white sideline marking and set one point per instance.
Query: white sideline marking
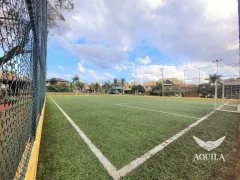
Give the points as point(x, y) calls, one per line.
point(231, 105)
point(229, 111)
point(135, 102)
point(158, 111)
point(112, 171)
point(135, 163)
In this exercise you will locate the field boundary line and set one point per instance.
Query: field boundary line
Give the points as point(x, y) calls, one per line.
point(135, 102)
point(228, 111)
point(222, 106)
point(112, 171)
point(137, 162)
point(164, 112)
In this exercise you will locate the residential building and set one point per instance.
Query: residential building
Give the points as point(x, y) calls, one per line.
point(59, 81)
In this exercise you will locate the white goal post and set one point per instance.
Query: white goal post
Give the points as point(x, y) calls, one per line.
point(227, 95)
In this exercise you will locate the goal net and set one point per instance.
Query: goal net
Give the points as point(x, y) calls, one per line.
point(227, 95)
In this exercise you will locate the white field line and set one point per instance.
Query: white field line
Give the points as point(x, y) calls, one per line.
point(222, 105)
point(229, 111)
point(135, 102)
point(231, 105)
point(135, 163)
point(103, 160)
point(112, 171)
point(175, 114)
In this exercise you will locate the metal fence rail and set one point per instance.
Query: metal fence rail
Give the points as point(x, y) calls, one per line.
point(23, 40)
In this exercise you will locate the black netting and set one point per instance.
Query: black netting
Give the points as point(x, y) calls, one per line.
point(23, 38)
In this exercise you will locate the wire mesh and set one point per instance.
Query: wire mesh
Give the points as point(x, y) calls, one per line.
point(228, 95)
point(23, 38)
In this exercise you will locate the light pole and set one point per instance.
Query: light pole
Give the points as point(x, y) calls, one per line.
point(217, 61)
point(162, 82)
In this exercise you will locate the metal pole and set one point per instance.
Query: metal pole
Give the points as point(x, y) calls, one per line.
point(217, 61)
point(223, 98)
point(199, 81)
point(184, 83)
point(239, 34)
point(162, 82)
point(159, 87)
point(216, 95)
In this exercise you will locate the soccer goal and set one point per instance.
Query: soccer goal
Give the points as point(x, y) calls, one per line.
point(227, 95)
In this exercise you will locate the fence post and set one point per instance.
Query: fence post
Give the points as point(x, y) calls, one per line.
point(216, 86)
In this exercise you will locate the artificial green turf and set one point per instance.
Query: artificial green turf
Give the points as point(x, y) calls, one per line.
point(176, 160)
point(196, 108)
point(121, 133)
point(63, 154)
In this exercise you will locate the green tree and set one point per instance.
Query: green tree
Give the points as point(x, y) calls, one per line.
point(213, 78)
point(115, 83)
point(157, 90)
point(75, 78)
point(96, 87)
point(138, 88)
point(91, 87)
point(53, 81)
point(206, 89)
point(61, 87)
point(79, 85)
point(107, 85)
point(123, 81)
point(71, 85)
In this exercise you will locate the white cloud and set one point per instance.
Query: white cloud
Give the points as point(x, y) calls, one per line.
point(53, 75)
point(208, 31)
point(145, 60)
point(99, 55)
point(60, 67)
point(191, 70)
point(100, 76)
point(81, 68)
point(233, 47)
point(108, 75)
point(120, 67)
point(68, 75)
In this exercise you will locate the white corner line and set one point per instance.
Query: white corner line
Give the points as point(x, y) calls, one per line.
point(228, 111)
point(112, 171)
point(222, 105)
point(158, 111)
point(137, 162)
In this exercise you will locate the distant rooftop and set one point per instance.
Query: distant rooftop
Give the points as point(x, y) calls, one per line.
point(231, 81)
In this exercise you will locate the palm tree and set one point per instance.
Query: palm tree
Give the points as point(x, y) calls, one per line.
point(75, 78)
point(107, 85)
point(115, 82)
point(123, 81)
point(213, 78)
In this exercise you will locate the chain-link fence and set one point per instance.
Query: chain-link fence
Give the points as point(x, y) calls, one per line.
point(23, 38)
